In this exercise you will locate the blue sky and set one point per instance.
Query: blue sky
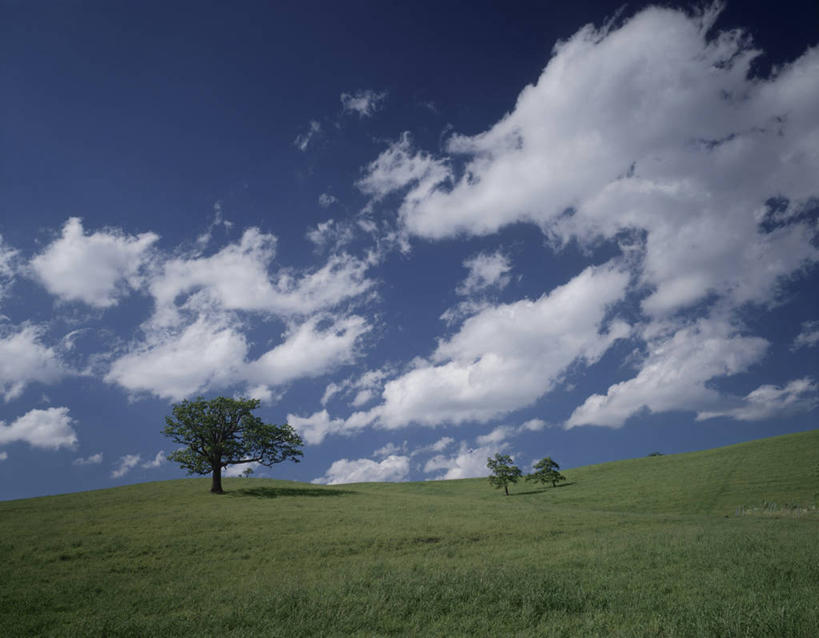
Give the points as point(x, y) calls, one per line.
point(421, 233)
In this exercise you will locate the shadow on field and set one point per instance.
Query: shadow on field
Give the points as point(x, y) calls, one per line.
point(541, 490)
point(276, 492)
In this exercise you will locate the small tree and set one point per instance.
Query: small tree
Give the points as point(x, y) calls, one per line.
point(546, 471)
point(504, 471)
point(223, 432)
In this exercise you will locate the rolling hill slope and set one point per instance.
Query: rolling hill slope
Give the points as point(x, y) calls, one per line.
point(721, 542)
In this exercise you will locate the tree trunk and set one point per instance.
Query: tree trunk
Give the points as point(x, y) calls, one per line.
point(216, 486)
point(506, 489)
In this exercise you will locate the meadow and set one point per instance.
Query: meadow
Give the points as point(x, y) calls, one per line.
point(723, 542)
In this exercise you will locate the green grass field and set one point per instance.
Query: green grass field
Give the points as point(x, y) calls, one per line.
point(717, 543)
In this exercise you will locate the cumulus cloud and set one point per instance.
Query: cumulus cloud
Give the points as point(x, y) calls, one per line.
point(309, 349)
point(401, 166)
point(158, 460)
point(239, 469)
point(97, 269)
point(48, 429)
point(331, 234)
point(392, 468)
point(808, 337)
point(497, 435)
point(24, 359)
point(675, 373)
point(390, 449)
point(175, 364)
point(211, 353)
point(363, 388)
point(364, 103)
point(325, 200)
point(303, 140)
point(237, 278)
point(651, 128)
point(486, 270)
point(314, 428)
point(9, 258)
point(467, 462)
point(507, 356)
point(502, 359)
point(769, 401)
point(126, 464)
point(93, 459)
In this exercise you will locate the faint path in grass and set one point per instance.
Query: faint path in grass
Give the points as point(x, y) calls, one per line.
point(276, 492)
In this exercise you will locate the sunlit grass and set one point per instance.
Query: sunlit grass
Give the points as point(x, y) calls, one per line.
point(668, 546)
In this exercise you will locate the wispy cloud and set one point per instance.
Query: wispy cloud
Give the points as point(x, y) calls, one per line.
point(364, 103)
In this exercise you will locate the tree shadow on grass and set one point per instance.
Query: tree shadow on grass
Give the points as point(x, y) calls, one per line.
point(276, 492)
point(541, 490)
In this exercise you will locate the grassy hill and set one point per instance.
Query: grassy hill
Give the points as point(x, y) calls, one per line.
point(721, 543)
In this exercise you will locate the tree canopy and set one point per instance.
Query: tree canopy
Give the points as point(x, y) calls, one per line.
point(219, 432)
point(504, 471)
point(546, 471)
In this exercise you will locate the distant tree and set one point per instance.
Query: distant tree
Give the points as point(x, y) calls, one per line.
point(504, 471)
point(546, 471)
point(656, 454)
point(222, 432)
point(247, 472)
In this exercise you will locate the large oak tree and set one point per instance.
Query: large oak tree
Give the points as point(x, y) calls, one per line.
point(219, 432)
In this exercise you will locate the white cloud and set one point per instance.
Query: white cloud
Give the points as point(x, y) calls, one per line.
point(675, 373)
point(239, 469)
point(502, 433)
point(498, 435)
point(237, 278)
point(365, 387)
point(303, 140)
point(211, 353)
point(533, 425)
point(390, 449)
point(325, 200)
point(507, 356)
point(466, 463)
point(126, 464)
point(218, 220)
point(365, 103)
point(502, 359)
point(48, 429)
point(401, 166)
point(486, 270)
point(317, 426)
point(770, 401)
point(3, 456)
point(175, 364)
point(158, 460)
point(652, 127)
point(309, 350)
point(24, 359)
point(93, 459)
point(392, 468)
point(808, 337)
point(97, 269)
point(8, 266)
point(331, 234)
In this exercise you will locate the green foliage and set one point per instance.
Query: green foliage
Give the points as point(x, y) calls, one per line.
point(546, 471)
point(504, 471)
point(223, 432)
point(643, 547)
